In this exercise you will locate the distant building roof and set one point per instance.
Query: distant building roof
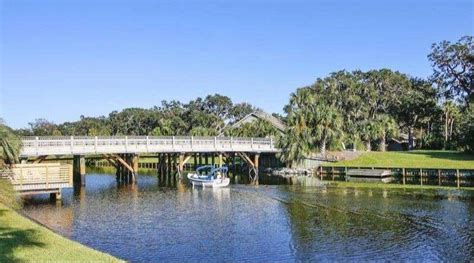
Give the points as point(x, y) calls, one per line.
point(275, 122)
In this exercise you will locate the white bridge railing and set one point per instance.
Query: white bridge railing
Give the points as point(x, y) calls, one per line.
point(37, 146)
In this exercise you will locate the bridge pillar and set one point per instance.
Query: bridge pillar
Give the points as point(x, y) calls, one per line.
point(195, 161)
point(256, 160)
point(135, 160)
point(79, 167)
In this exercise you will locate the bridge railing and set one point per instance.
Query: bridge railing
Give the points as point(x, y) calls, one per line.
point(34, 146)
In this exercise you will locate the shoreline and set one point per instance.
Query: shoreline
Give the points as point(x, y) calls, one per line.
point(24, 239)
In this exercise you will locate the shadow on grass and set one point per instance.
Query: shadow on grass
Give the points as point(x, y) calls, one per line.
point(14, 238)
point(445, 155)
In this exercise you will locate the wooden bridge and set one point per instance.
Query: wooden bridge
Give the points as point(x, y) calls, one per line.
point(123, 151)
point(41, 146)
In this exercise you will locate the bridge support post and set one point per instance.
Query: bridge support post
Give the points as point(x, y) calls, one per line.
point(135, 160)
point(55, 196)
point(195, 161)
point(79, 167)
point(256, 160)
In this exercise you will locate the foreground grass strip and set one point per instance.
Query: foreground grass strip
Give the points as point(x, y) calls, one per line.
point(23, 240)
point(395, 186)
point(413, 159)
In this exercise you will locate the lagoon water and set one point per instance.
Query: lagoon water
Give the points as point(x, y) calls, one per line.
point(148, 222)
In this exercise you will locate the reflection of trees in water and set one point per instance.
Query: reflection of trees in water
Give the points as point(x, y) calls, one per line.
point(354, 223)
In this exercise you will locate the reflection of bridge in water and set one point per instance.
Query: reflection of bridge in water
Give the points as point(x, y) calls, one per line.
point(171, 153)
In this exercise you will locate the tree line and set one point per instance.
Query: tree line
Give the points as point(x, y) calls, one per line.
point(209, 116)
point(346, 110)
point(360, 110)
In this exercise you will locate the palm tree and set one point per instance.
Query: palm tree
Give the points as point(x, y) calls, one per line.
point(367, 133)
point(10, 146)
point(327, 125)
point(384, 126)
point(295, 144)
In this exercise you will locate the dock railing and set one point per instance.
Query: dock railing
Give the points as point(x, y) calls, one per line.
point(411, 175)
point(41, 178)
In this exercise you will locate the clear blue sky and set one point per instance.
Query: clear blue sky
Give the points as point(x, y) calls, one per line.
point(62, 59)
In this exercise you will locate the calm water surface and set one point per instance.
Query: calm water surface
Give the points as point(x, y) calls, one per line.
point(148, 222)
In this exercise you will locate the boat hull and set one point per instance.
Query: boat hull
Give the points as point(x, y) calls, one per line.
point(219, 182)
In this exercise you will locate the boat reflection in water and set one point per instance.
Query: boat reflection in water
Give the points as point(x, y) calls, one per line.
point(174, 222)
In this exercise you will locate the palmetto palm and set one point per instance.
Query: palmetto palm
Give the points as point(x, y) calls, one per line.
point(327, 123)
point(10, 146)
point(384, 126)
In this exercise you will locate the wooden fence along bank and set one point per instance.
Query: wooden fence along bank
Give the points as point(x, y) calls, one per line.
point(420, 176)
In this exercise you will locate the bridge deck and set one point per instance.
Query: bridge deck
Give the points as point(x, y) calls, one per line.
point(37, 146)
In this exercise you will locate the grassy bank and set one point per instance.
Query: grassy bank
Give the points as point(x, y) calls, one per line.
point(394, 186)
point(413, 159)
point(23, 240)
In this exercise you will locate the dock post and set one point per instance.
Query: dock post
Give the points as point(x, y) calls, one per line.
point(439, 177)
point(421, 177)
point(457, 178)
point(403, 175)
point(55, 196)
point(79, 173)
point(220, 160)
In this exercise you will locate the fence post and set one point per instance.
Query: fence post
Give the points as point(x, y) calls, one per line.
point(403, 175)
point(321, 172)
point(332, 172)
point(421, 177)
point(439, 177)
point(345, 173)
point(457, 175)
point(95, 144)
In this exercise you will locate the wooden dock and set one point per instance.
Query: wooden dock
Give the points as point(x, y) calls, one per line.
point(404, 175)
point(44, 178)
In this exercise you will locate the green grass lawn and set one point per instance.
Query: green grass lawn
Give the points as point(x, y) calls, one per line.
point(22, 240)
point(414, 159)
